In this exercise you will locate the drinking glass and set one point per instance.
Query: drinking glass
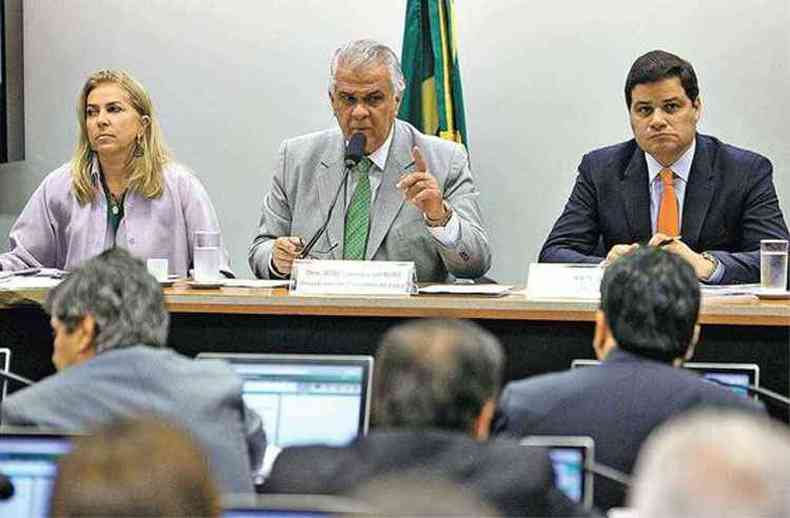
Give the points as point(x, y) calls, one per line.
point(206, 256)
point(773, 264)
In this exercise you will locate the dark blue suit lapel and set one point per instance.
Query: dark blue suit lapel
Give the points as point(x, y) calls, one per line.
point(636, 196)
point(699, 193)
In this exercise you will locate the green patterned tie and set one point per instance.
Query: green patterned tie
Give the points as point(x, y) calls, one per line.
point(357, 217)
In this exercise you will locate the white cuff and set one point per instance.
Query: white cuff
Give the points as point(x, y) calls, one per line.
point(449, 234)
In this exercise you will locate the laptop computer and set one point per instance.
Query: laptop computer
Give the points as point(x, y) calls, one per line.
point(572, 458)
point(306, 399)
point(29, 460)
point(5, 364)
point(291, 506)
point(743, 374)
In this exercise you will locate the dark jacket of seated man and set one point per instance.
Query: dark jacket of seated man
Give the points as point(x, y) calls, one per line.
point(646, 328)
point(517, 480)
point(110, 325)
point(435, 385)
point(709, 202)
point(730, 205)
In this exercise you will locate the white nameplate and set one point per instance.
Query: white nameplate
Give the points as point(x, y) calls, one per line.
point(314, 277)
point(564, 281)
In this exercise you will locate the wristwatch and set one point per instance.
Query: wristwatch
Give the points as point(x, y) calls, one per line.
point(712, 258)
point(448, 212)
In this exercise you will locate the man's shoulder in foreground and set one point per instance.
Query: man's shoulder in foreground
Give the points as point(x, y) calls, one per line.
point(540, 394)
point(111, 372)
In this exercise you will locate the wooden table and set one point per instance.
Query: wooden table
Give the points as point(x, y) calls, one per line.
point(538, 336)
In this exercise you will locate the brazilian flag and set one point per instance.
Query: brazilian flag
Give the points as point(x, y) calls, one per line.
point(432, 101)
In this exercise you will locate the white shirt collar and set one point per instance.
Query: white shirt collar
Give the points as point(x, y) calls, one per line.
point(681, 167)
point(379, 156)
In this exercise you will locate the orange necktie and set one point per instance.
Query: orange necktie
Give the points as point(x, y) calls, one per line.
point(668, 210)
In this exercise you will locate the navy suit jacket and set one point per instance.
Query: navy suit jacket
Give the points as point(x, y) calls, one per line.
point(517, 480)
point(617, 403)
point(729, 206)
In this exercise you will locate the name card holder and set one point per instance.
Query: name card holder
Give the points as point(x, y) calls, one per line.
point(564, 281)
point(322, 277)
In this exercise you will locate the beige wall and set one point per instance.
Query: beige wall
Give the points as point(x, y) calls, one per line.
point(542, 80)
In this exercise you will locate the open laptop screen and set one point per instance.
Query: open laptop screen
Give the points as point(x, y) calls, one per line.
point(571, 457)
point(306, 399)
point(743, 374)
point(30, 462)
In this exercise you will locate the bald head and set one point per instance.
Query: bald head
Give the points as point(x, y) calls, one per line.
point(436, 374)
point(715, 464)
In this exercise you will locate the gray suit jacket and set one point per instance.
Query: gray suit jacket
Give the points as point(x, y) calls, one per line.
point(202, 396)
point(309, 172)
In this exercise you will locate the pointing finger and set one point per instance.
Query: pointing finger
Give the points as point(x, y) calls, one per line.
point(419, 161)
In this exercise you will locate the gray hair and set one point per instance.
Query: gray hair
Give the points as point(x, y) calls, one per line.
point(362, 54)
point(714, 464)
point(119, 293)
point(436, 374)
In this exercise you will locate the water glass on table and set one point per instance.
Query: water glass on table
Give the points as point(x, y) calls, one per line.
point(206, 256)
point(773, 264)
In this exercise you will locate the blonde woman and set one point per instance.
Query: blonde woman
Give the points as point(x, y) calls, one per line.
point(121, 188)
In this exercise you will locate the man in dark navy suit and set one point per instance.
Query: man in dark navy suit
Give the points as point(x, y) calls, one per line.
point(708, 202)
point(647, 325)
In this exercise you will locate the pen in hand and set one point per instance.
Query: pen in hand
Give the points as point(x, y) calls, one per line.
point(667, 241)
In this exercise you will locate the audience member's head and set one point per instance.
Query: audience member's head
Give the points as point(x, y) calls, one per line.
point(438, 374)
point(111, 301)
point(417, 493)
point(650, 303)
point(135, 468)
point(714, 465)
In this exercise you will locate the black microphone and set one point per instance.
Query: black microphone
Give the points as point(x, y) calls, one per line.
point(753, 389)
point(355, 151)
point(8, 375)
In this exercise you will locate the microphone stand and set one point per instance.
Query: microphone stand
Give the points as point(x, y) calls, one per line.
point(8, 375)
point(313, 240)
point(609, 473)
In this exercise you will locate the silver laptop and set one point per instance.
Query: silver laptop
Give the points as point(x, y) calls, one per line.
point(5, 364)
point(306, 399)
point(573, 458)
point(292, 506)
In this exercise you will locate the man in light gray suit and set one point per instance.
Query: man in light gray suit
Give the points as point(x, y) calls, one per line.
point(110, 326)
point(414, 192)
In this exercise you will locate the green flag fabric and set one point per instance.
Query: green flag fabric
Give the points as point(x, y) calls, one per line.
point(432, 101)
